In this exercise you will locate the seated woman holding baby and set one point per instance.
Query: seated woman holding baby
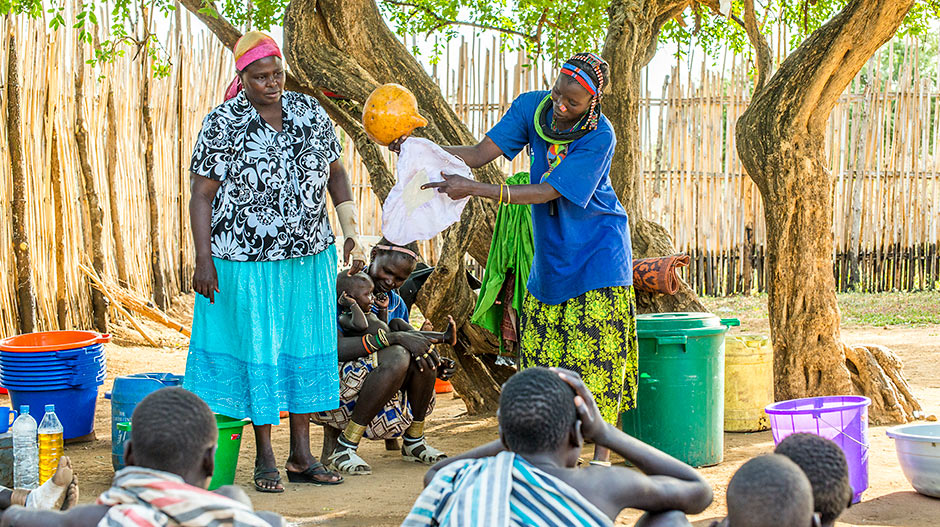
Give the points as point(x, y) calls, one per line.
point(387, 369)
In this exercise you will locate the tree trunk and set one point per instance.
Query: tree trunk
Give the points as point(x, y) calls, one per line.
point(25, 293)
point(110, 155)
point(629, 46)
point(146, 132)
point(780, 142)
point(99, 304)
point(61, 295)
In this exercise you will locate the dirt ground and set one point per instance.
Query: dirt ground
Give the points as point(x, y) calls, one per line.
point(385, 497)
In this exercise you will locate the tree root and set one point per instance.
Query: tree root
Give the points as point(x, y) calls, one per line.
point(876, 373)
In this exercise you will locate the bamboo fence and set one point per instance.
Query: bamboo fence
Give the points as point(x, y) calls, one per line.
point(883, 144)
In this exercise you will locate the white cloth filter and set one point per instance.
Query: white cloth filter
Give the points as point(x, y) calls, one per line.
point(410, 214)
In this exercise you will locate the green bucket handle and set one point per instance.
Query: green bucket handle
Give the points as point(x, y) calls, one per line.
point(730, 322)
point(672, 339)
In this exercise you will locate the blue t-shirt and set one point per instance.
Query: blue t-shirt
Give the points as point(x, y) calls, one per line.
point(586, 244)
point(396, 307)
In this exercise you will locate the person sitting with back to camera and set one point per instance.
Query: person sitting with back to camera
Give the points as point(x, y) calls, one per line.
point(825, 466)
point(769, 491)
point(358, 319)
point(170, 460)
point(529, 476)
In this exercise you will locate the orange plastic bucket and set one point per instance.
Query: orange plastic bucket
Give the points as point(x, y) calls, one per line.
point(441, 386)
point(53, 341)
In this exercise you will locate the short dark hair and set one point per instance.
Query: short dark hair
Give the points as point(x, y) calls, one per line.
point(825, 466)
point(171, 429)
point(770, 491)
point(344, 282)
point(536, 411)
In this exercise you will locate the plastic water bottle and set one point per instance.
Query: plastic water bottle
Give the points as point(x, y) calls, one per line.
point(25, 451)
point(50, 444)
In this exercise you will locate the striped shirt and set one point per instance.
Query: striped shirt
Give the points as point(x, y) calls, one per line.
point(141, 497)
point(501, 491)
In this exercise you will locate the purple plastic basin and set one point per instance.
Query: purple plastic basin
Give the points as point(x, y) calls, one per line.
point(841, 418)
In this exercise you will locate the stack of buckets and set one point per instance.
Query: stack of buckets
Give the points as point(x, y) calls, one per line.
point(64, 368)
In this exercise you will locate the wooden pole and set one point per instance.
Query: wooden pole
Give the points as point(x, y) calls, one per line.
point(61, 303)
point(146, 131)
point(25, 292)
point(95, 216)
point(117, 232)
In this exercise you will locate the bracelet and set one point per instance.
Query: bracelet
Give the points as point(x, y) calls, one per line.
point(378, 343)
point(368, 347)
point(382, 338)
point(500, 201)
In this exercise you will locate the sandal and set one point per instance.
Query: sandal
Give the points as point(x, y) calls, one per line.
point(262, 474)
point(347, 461)
point(420, 451)
point(310, 475)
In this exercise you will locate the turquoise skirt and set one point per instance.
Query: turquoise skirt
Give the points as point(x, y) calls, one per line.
point(269, 342)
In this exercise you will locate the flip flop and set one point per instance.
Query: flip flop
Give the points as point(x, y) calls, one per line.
point(261, 473)
point(310, 475)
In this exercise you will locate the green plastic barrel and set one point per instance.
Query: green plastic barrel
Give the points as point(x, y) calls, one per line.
point(226, 455)
point(680, 399)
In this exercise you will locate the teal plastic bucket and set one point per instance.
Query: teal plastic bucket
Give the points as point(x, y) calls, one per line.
point(126, 393)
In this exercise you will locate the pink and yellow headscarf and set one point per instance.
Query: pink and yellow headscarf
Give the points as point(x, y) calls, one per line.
point(252, 46)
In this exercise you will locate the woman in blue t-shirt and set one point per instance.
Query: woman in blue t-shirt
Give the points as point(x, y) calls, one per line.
point(580, 312)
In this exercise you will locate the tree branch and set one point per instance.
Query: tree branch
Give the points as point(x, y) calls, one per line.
point(221, 27)
point(761, 47)
point(534, 38)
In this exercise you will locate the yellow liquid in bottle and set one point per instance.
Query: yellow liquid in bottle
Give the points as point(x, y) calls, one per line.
point(50, 450)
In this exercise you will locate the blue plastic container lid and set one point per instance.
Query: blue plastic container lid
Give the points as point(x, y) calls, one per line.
point(50, 408)
point(24, 409)
point(54, 387)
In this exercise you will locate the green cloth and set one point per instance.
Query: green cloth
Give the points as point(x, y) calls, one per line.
point(511, 249)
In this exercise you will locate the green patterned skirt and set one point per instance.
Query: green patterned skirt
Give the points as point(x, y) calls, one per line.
point(593, 334)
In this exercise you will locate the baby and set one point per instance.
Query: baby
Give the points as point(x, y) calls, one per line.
point(357, 318)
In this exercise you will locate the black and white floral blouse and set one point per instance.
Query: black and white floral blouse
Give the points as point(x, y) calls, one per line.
point(272, 201)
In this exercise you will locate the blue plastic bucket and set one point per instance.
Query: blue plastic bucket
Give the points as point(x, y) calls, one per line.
point(63, 368)
point(78, 353)
point(75, 406)
point(57, 373)
point(27, 374)
point(126, 393)
point(47, 387)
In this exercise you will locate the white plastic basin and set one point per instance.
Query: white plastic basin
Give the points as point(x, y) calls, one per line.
point(918, 448)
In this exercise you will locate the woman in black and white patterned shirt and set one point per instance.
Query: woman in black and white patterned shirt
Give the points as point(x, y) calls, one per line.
point(264, 325)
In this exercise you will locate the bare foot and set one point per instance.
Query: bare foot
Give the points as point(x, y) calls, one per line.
point(71, 495)
point(59, 492)
point(63, 473)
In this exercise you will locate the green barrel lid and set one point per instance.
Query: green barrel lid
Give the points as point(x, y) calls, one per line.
point(676, 321)
point(662, 322)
